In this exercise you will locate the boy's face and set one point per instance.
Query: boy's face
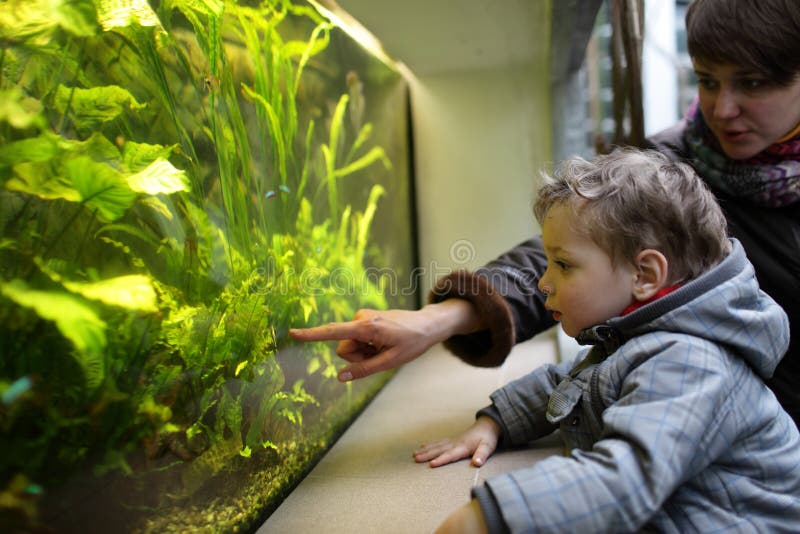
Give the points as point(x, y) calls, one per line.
point(583, 288)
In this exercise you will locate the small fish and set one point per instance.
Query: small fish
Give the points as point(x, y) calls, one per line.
point(34, 489)
point(211, 83)
point(271, 193)
point(17, 388)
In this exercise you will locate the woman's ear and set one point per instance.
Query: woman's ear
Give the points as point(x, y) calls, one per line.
point(652, 269)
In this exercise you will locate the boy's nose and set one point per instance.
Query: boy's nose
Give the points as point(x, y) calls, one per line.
point(545, 288)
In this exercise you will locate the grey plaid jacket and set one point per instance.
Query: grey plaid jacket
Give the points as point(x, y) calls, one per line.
point(670, 425)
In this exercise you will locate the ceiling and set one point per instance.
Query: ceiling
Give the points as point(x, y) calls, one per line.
point(434, 36)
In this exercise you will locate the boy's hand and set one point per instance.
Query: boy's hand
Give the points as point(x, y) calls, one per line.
point(479, 441)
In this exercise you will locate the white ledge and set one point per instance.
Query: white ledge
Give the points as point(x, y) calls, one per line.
point(368, 482)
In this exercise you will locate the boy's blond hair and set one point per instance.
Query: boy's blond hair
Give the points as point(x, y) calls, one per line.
point(631, 200)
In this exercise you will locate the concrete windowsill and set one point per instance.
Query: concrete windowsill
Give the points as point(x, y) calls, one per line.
point(368, 482)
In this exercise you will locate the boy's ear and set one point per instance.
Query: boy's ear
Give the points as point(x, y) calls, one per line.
point(652, 269)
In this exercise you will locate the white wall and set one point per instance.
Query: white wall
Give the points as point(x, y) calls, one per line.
point(480, 139)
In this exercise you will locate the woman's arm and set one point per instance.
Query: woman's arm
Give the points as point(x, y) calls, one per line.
point(507, 300)
point(479, 317)
point(379, 340)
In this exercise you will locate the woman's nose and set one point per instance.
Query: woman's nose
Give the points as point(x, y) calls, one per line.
point(726, 105)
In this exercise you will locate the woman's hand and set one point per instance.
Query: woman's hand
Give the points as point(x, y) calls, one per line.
point(379, 340)
point(478, 441)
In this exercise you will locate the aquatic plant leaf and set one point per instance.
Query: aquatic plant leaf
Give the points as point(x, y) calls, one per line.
point(34, 149)
point(18, 110)
point(23, 20)
point(206, 31)
point(36, 179)
point(100, 187)
point(96, 146)
point(73, 317)
point(132, 292)
point(309, 48)
point(160, 177)
point(137, 156)
point(336, 124)
point(309, 306)
point(313, 366)
point(239, 367)
point(205, 7)
point(122, 13)
point(274, 126)
point(78, 17)
point(363, 136)
point(90, 108)
point(376, 153)
point(158, 206)
point(365, 221)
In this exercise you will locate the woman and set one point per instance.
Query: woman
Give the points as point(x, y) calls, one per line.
point(742, 136)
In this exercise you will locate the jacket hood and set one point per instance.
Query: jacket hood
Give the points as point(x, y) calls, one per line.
point(724, 305)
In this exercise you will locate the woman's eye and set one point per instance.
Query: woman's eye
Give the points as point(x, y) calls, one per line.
point(706, 83)
point(751, 84)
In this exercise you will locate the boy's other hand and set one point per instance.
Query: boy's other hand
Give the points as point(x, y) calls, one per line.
point(479, 441)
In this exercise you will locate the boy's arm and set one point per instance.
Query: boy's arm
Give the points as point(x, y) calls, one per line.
point(518, 426)
point(663, 429)
point(469, 519)
point(520, 407)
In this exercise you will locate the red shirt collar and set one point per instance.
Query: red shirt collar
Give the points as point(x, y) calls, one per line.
point(638, 304)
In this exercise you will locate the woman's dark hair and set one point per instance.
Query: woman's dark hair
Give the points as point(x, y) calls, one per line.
point(759, 35)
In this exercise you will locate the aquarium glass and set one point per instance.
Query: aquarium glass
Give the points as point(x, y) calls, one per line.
point(182, 181)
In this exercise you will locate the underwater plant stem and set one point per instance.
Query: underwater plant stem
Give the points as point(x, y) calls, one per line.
point(85, 236)
point(63, 230)
point(2, 61)
point(83, 61)
point(62, 120)
point(17, 216)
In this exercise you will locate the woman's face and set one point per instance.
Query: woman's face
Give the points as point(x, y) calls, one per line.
point(745, 111)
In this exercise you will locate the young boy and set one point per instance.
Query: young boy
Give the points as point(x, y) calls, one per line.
point(670, 425)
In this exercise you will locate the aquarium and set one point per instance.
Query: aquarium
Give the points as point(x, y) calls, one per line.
point(182, 182)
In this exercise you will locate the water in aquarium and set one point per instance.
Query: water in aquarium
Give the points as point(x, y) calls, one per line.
point(182, 182)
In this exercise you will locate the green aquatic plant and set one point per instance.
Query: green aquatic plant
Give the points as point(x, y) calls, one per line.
point(160, 165)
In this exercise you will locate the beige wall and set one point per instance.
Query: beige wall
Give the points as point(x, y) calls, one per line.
point(480, 139)
point(480, 94)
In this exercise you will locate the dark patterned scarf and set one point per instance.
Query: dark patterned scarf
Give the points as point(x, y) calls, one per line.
point(770, 179)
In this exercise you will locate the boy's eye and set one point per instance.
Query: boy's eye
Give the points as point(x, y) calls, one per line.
point(562, 265)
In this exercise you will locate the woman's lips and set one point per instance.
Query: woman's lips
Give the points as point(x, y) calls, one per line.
point(735, 135)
